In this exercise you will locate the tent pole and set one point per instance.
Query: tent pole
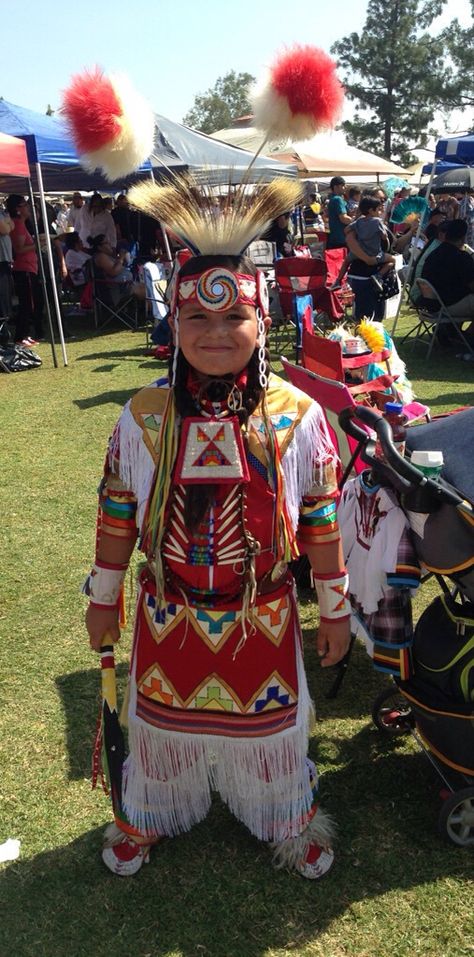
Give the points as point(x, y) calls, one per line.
point(301, 223)
point(163, 230)
point(41, 269)
point(413, 250)
point(49, 253)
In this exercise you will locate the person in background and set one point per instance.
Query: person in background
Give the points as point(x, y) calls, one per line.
point(312, 212)
point(450, 270)
point(353, 199)
point(437, 234)
point(75, 259)
point(110, 268)
point(449, 205)
point(74, 210)
point(280, 234)
point(126, 221)
point(25, 274)
point(338, 216)
point(61, 213)
point(95, 220)
point(109, 204)
point(372, 236)
point(466, 211)
point(6, 258)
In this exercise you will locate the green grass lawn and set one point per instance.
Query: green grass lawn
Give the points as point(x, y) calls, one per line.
point(397, 890)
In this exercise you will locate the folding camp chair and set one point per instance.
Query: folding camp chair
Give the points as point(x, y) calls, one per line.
point(262, 253)
point(427, 328)
point(111, 300)
point(333, 397)
point(299, 276)
point(325, 358)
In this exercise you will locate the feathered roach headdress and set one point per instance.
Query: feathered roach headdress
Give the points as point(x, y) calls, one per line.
point(113, 129)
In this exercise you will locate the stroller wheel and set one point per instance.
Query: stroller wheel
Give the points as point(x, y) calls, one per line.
point(456, 817)
point(391, 712)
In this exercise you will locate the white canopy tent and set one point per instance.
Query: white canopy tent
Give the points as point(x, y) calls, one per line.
point(325, 155)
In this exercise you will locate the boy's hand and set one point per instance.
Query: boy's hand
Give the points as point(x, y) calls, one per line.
point(100, 622)
point(332, 641)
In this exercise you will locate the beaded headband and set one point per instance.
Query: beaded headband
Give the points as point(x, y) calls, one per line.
point(219, 289)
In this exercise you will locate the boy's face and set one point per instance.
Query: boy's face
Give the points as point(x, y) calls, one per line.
point(218, 343)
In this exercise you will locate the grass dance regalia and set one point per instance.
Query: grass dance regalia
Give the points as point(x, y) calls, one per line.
point(220, 469)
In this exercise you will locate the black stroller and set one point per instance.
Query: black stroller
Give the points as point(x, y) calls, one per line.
point(435, 699)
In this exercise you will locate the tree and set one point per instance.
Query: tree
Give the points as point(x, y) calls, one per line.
point(224, 102)
point(395, 72)
point(459, 41)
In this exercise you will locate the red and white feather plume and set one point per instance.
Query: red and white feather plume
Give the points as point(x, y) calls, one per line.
point(300, 96)
point(112, 125)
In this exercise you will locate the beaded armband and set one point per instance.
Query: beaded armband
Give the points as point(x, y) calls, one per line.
point(117, 511)
point(333, 591)
point(104, 583)
point(318, 521)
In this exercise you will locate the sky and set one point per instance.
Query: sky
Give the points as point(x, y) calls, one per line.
point(171, 50)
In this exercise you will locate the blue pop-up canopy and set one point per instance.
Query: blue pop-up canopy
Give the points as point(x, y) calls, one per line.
point(176, 148)
point(452, 152)
point(456, 149)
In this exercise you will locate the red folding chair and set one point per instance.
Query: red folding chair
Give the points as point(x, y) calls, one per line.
point(298, 276)
point(324, 357)
point(333, 397)
point(334, 259)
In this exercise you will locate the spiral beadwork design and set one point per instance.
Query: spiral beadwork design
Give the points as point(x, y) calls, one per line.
point(217, 289)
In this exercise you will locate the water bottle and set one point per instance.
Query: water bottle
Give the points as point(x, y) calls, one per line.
point(422, 501)
point(430, 463)
point(394, 415)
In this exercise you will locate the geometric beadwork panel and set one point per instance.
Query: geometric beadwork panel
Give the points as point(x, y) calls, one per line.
point(274, 694)
point(154, 686)
point(162, 620)
point(272, 618)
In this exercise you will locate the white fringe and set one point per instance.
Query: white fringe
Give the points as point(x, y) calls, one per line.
point(136, 466)
point(304, 461)
point(168, 777)
point(291, 852)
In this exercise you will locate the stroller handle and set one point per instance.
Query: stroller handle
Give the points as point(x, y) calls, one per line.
point(394, 462)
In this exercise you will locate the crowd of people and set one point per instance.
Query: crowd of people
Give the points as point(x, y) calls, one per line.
point(97, 230)
point(359, 221)
point(363, 223)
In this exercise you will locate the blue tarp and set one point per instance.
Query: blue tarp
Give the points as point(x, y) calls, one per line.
point(48, 142)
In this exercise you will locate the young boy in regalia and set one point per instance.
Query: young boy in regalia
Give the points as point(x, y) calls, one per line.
point(219, 471)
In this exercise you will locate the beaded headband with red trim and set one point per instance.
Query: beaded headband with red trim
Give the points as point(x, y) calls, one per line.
point(219, 289)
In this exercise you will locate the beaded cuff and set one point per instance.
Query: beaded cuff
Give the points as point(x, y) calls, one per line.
point(333, 592)
point(103, 584)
